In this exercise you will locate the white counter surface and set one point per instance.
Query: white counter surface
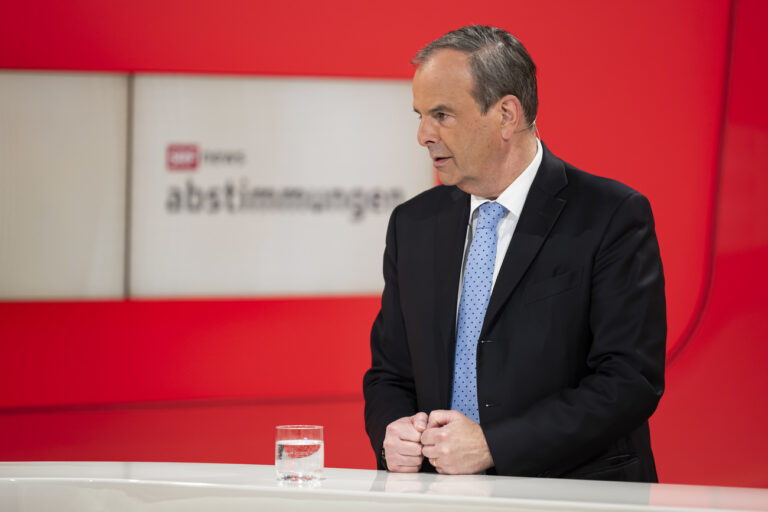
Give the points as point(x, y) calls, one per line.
point(152, 486)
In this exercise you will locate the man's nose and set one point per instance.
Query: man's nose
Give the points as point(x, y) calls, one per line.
point(426, 132)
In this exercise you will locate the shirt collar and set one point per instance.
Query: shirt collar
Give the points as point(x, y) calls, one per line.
point(513, 197)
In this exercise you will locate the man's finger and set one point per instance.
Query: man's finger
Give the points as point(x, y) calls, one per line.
point(430, 436)
point(409, 460)
point(409, 433)
point(403, 429)
point(409, 449)
point(404, 463)
point(405, 469)
point(431, 452)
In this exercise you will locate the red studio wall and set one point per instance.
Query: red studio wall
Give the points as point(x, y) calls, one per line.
point(666, 97)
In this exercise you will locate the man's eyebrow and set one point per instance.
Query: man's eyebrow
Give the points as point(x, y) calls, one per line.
point(438, 108)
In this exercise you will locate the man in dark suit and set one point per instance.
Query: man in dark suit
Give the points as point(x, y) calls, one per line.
point(523, 323)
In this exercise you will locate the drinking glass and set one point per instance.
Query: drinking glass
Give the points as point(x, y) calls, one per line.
point(299, 452)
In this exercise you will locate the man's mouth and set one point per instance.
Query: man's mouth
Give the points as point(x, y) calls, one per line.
point(440, 160)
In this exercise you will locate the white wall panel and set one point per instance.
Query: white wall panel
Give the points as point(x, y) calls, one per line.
point(249, 186)
point(62, 185)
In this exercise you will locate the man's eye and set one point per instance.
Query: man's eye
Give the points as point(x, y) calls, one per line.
point(440, 116)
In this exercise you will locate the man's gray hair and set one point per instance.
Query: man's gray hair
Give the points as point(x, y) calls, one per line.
point(499, 64)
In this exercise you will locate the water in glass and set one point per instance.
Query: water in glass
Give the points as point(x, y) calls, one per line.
point(299, 452)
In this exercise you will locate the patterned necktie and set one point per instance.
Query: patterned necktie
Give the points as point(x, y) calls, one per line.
point(478, 276)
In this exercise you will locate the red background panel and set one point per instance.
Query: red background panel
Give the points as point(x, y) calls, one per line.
point(711, 424)
point(644, 109)
point(630, 90)
point(232, 431)
point(97, 352)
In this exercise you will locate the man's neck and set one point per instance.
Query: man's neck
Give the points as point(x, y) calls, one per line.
point(519, 156)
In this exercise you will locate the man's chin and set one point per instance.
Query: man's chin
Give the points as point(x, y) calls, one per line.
point(445, 177)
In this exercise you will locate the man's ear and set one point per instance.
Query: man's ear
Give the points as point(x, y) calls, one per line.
point(512, 118)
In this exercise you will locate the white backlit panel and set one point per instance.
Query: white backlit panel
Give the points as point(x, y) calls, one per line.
point(263, 186)
point(62, 185)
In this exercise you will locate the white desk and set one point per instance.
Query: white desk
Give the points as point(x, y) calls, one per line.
point(151, 486)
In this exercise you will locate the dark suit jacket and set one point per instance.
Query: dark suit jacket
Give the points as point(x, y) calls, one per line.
point(570, 365)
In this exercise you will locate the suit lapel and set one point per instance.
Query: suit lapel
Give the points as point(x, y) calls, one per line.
point(451, 227)
point(540, 212)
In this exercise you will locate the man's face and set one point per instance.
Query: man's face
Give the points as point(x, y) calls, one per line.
point(463, 143)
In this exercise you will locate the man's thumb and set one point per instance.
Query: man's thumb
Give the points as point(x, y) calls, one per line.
point(419, 420)
point(439, 418)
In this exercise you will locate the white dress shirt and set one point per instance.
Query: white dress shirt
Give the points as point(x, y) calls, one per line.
point(513, 199)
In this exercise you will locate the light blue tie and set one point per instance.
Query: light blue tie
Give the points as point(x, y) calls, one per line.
point(478, 276)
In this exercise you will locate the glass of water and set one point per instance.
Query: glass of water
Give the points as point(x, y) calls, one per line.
point(299, 452)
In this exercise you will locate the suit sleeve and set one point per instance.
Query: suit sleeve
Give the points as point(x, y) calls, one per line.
point(388, 385)
point(627, 319)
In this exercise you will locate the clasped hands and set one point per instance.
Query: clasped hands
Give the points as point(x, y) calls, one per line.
point(453, 443)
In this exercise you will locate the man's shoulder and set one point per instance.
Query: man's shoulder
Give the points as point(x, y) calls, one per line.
point(591, 187)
